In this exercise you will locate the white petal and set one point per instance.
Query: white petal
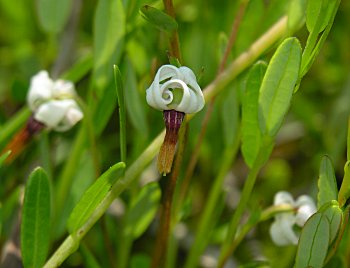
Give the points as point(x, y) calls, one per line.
point(305, 200)
point(59, 115)
point(40, 90)
point(283, 197)
point(304, 213)
point(282, 233)
point(159, 96)
point(63, 89)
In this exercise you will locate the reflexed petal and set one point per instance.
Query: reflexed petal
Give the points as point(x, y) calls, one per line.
point(159, 94)
point(63, 89)
point(304, 213)
point(59, 115)
point(40, 90)
point(283, 197)
point(282, 233)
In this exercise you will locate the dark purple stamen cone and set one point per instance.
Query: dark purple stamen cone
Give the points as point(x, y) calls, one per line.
point(173, 120)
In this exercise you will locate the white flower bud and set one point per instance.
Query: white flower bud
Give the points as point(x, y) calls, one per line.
point(160, 94)
point(281, 231)
point(52, 102)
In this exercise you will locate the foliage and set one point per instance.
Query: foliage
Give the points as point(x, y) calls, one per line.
point(279, 105)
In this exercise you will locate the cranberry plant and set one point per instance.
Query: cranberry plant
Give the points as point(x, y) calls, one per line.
point(252, 168)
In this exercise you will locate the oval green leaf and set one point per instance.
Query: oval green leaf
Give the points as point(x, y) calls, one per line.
point(251, 134)
point(334, 215)
point(327, 184)
point(53, 14)
point(142, 210)
point(158, 18)
point(318, 14)
point(313, 242)
point(278, 86)
point(296, 14)
point(35, 227)
point(93, 196)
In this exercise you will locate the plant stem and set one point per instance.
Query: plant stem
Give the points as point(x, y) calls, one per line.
point(160, 250)
point(207, 219)
point(174, 38)
point(195, 154)
point(213, 89)
point(246, 192)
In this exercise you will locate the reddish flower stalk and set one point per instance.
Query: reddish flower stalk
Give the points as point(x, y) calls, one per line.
point(173, 120)
point(22, 138)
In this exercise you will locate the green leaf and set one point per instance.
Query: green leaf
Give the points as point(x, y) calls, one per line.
point(122, 117)
point(229, 108)
point(334, 215)
point(251, 135)
point(142, 210)
point(135, 104)
point(327, 184)
point(344, 192)
point(3, 157)
point(53, 14)
point(318, 14)
point(296, 14)
point(278, 85)
point(93, 196)
point(89, 259)
point(159, 19)
point(109, 31)
point(313, 242)
point(35, 227)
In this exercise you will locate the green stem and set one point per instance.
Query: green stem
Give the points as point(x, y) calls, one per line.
point(236, 67)
point(245, 196)
point(206, 221)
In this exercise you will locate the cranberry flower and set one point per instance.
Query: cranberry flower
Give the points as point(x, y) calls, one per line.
point(283, 230)
point(174, 91)
point(52, 102)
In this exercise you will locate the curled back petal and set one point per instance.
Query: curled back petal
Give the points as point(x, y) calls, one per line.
point(283, 197)
point(40, 90)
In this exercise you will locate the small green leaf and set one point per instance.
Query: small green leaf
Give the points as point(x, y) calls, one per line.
point(135, 104)
point(158, 18)
point(4, 157)
point(318, 14)
point(296, 14)
point(109, 31)
point(93, 196)
point(142, 210)
point(53, 14)
point(278, 85)
point(344, 192)
point(122, 117)
point(313, 242)
point(229, 108)
point(35, 227)
point(334, 215)
point(251, 135)
point(327, 184)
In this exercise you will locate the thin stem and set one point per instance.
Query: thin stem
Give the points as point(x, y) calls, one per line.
point(213, 89)
point(194, 158)
point(206, 220)
point(159, 254)
point(174, 38)
point(247, 190)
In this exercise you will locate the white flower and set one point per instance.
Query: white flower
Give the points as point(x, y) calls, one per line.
point(52, 102)
point(282, 230)
point(160, 95)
